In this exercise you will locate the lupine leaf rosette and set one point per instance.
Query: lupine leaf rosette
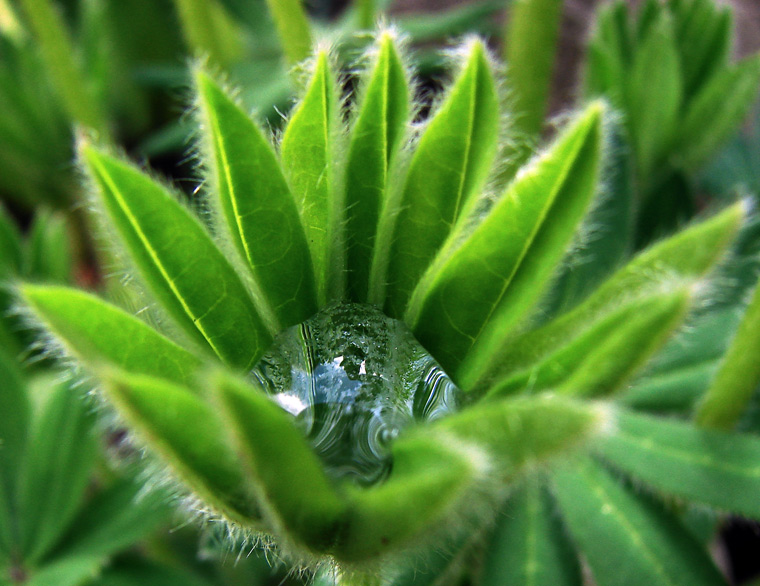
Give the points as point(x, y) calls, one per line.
point(397, 234)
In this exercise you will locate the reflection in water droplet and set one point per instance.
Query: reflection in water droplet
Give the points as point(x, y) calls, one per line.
point(353, 379)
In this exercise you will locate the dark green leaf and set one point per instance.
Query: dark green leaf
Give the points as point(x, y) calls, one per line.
point(59, 462)
point(715, 468)
point(115, 519)
point(48, 253)
point(75, 571)
point(625, 538)
point(529, 546)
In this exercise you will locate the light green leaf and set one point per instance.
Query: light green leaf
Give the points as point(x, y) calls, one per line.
point(717, 111)
point(115, 519)
point(524, 432)
point(210, 31)
point(739, 375)
point(290, 481)
point(625, 538)
point(529, 546)
point(308, 158)
point(375, 135)
point(59, 461)
point(97, 332)
point(74, 571)
point(474, 295)
point(653, 96)
point(293, 28)
point(676, 261)
point(715, 468)
point(256, 203)
point(189, 436)
point(447, 171)
point(598, 360)
point(530, 51)
point(180, 264)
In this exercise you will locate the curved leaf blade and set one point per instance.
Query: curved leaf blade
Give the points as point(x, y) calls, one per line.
point(449, 167)
point(258, 207)
point(180, 264)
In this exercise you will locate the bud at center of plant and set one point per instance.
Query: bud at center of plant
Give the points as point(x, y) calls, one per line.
point(353, 379)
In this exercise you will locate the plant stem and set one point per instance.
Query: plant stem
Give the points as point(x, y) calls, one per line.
point(366, 10)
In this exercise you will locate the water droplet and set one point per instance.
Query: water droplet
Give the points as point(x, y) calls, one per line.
point(353, 379)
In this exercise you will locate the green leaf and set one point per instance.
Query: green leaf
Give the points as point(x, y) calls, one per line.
point(10, 245)
point(705, 45)
point(59, 461)
point(256, 203)
point(375, 135)
point(431, 479)
point(610, 226)
point(477, 292)
point(290, 481)
point(684, 368)
point(75, 571)
point(529, 546)
point(521, 433)
point(530, 51)
point(625, 538)
point(14, 422)
point(715, 468)
point(447, 171)
point(189, 436)
point(48, 252)
point(293, 28)
point(653, 96)
point(97, 332)
point(210, 31)
point(115, 519)
point(139, 572)
point(602, 357)
point(308, 158)
point(717, 111)
point(676, 261)
point(58, 55)
point(180, 264)
point(739, 375)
